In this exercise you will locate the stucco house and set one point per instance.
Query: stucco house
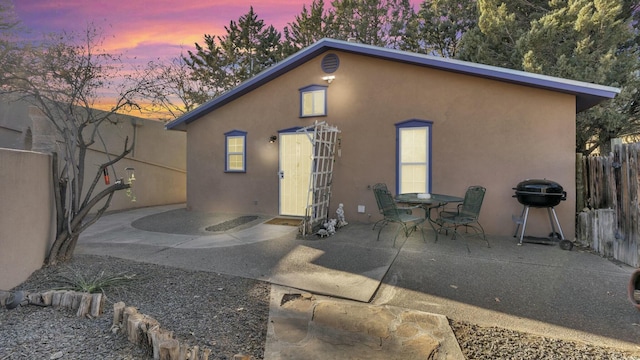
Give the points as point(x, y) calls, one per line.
point(415, 122)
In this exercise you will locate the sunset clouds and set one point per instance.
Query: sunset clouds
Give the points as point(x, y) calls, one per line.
point(151, 29)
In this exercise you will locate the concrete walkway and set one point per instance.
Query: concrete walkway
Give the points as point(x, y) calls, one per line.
point(329, 289)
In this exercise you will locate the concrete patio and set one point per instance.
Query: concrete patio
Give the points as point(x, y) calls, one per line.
point(540, 289)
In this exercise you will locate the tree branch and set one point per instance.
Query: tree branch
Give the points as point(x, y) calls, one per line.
point(124, 153)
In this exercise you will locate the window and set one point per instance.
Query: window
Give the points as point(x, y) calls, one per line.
point(413, 156)
point(313, 101)
point(235, 151)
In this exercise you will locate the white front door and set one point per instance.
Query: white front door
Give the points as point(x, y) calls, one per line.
point(294, 173)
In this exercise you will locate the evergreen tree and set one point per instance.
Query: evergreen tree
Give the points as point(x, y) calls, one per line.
point(309, 27)
point(493, 40)
point(385, 23)
point(226, 61)
point(403, 26)
point(589, 41)
point(442, 25)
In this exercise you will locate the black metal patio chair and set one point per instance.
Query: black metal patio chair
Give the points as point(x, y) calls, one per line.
point(393, 214)
point(466, 215)
point(405, 209)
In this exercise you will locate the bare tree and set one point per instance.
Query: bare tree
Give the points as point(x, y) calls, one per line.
point(170, 92)
point(63, 77)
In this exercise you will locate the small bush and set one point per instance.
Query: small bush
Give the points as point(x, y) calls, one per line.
point(93, 283)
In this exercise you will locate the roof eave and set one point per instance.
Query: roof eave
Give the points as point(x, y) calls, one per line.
point(587, 95)
point(267, 75)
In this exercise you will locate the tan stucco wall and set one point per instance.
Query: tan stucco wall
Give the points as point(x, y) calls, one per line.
point(26, 206)
point(484, 133)
point(159, 156)
point(26, 214)
point(159, 160)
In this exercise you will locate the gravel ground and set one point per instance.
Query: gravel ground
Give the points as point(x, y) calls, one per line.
point(223, 313)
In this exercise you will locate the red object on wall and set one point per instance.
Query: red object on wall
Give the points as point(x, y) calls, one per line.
point(105, 172)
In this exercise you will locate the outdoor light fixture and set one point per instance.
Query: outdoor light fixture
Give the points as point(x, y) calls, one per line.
point(131, 176)
point(328, 78)
point(273, 139)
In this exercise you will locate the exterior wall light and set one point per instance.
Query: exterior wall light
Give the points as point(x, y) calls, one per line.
point(273, 139)
point(328, 78)
point(131, 176)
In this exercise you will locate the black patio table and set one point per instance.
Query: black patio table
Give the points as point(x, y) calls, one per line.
point(428, 203)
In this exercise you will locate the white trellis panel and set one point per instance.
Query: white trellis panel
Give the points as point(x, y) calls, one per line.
point(323, 138)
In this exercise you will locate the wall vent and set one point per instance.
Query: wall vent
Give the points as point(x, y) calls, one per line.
point(330, 63)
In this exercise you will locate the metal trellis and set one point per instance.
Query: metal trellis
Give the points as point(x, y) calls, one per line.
point(323, 138)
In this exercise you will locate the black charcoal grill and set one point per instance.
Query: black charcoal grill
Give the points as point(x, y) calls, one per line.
point(541, 193)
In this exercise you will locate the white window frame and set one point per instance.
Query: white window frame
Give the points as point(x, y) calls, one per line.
point(313, 101)
point(232, 135)
point(405, 161)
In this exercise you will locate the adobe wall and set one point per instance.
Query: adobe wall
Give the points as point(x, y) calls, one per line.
point(27, 220)
point(26, 204)
point(158, 157)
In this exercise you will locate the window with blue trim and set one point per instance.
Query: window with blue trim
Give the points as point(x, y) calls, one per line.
point(413, 154)
point(313, 101)
point(235, 151)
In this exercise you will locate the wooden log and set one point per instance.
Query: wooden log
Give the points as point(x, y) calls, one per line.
point(128, 311)
point(169, 349)
point(580, 188)
point(97, 304)
point(148, 324)
point(205, 354)
point(118, 311)
point(195, 353)
point(4, 296)
point(138, 327)
point(153, 335)
point(85, 305)
point(158, 335)
point(35, 298)
point(67, 299)
point(47, 297)
point(77, 299)
point(57, 297)
point(184, 351)
point(133, 327)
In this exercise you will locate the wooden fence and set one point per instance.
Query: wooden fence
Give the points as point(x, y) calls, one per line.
point(607, 201)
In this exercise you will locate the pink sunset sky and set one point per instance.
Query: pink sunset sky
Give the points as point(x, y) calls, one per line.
point(152, 28)
point(148, 30)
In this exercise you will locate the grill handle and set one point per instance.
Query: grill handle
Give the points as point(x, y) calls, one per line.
point(520, 192)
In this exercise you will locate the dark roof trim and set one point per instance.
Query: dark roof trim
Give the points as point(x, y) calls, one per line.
point(587, 94)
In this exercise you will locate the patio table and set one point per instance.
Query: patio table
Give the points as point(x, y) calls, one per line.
point(434, 201)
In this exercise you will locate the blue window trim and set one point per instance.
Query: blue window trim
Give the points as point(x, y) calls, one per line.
point(413, 123)
point(227, 135)
point(290, 130)
point(310, 88)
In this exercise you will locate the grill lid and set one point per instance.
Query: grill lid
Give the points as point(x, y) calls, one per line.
point(539, 193)
point(539, 186)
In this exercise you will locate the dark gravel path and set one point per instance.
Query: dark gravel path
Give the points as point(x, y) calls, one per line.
point(224, 313)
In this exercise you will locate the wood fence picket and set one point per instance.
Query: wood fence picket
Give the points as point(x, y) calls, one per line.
point(611, 182)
